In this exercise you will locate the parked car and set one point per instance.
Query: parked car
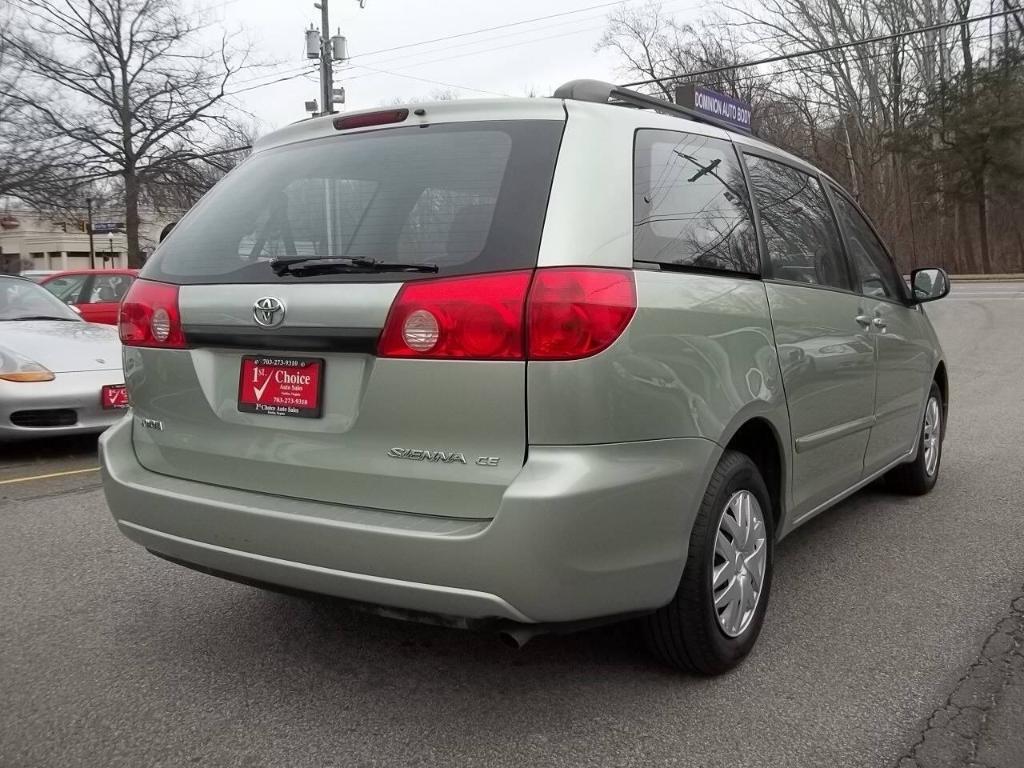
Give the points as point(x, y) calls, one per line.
point(97, 293)
point(37, 274)
point(59, 375)
point(515, 363)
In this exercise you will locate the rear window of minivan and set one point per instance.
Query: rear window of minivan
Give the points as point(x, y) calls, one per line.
point(466, 197)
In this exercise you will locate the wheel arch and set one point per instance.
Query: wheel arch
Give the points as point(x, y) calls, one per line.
point(942, 379)
point(758, 438)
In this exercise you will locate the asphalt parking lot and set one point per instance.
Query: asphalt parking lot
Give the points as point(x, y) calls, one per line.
point(886, 642)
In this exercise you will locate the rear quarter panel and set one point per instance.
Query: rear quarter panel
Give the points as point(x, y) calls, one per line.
point(697, 360)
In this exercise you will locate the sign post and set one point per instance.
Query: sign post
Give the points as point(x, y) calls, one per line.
point(733, 111)
point(92, 248)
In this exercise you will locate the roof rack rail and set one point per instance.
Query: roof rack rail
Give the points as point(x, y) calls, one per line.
point(608, 93)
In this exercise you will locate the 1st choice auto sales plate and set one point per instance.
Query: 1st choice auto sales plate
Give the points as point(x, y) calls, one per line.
point(114, 397)
point(281, 386)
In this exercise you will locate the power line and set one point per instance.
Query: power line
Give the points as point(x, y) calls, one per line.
point(827, 49)
point(487, 41)
point(489, 29)
point(292, 73)
point(490, 40)
point(428, 80)
point(491, 50)
point(821, 68)
point(305, 69)
point(308, 71)
point(285, 71)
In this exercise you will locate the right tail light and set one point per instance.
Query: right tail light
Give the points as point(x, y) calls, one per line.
point(574, 313)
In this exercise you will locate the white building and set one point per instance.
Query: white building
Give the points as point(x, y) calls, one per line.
point(33, 240)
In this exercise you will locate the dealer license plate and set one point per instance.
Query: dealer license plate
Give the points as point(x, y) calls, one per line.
point(281, 386)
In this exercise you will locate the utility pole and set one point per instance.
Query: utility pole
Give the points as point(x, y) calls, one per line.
point(326, 57)
point(92, 250)
point(320, 45)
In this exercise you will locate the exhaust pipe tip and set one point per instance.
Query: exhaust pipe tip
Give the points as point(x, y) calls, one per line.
point(517, 637)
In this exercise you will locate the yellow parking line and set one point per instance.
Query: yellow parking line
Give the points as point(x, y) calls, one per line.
point(52, 474)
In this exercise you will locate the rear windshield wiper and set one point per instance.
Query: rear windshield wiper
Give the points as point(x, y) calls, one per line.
point(302, 266)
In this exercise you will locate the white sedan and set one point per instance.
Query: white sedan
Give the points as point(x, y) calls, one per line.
point(59, 375)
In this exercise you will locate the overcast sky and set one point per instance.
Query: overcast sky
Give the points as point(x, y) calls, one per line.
point(538, 55)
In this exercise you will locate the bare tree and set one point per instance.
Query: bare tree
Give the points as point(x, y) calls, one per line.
point(656, 47)
point(130, 83)
point(32, 169)
point(178, 186)
point(926, 129)
point(643, 38)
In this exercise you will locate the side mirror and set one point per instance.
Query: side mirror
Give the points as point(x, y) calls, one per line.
point(929, 284)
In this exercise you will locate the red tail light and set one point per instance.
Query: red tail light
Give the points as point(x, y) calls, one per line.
point(574, 313)
point(475, 318)
point(149, 316)
point(568, 313)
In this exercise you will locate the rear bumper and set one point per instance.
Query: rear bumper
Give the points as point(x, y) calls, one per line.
point(582, 532)
point(77, 391)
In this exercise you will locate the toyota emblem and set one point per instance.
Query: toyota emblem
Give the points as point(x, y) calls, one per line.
point(268, 312)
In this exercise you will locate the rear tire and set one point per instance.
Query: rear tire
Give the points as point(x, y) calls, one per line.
point(691, 633)
point(919, 476)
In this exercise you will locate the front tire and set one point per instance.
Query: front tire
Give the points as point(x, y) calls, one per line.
point(717, 612)
point(919, 476)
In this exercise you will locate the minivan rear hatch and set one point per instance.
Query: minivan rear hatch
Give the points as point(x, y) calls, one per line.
point(284, 277)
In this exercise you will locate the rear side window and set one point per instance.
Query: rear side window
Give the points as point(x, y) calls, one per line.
point(108, 288)
point(67, 288)
point(876, 274)
point(800, 234)
point(466, 197)
point(690, 203)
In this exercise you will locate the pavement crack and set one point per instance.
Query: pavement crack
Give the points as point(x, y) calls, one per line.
point(950, 736)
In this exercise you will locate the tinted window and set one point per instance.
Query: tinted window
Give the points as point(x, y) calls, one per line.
point(66, 288)
point(800, 234)
point(108, 288)
point(876, 274)
point(690, 203)
point(452, 223)
point(307, 219)
point(468, 197)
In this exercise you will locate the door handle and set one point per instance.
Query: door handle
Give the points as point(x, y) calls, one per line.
point(863, 320)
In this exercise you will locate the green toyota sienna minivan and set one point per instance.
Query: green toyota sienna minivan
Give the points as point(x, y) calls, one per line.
point(523, 365)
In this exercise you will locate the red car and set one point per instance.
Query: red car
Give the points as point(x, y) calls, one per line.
point(96, 293)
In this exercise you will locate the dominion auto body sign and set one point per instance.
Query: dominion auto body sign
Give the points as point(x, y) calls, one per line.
point(732, 111)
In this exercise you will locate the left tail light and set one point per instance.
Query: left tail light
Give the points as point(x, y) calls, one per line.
point(557, 313)
point(149, 316)
point(472, 318)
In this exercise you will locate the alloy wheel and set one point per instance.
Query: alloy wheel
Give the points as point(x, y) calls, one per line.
point(932, 435)
point(741, 557)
